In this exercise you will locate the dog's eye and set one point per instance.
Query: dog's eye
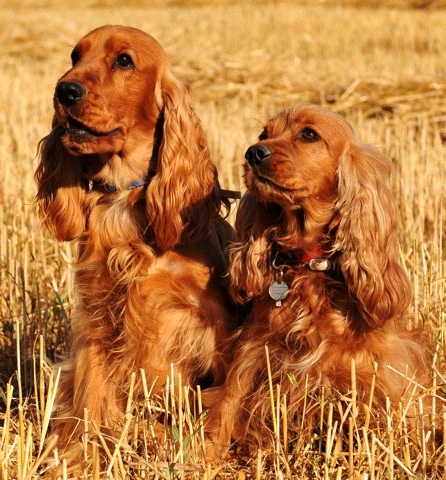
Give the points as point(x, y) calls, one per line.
point(75, 57)
point(308, 135)
point(263, 135)
point(124, 60)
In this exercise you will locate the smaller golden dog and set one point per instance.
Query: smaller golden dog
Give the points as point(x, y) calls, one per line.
point(318, 257)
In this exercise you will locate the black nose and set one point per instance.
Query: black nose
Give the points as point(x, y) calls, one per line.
point(257, 154)
point(68, 93)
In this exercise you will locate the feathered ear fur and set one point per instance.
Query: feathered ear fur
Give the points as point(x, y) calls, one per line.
point(366, 236)
point(181, 198)
point(256, 225)
point(60, 193)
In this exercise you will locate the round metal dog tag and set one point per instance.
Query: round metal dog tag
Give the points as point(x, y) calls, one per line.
point(278, 292)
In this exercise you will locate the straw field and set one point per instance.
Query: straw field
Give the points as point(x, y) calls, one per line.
point(381, 64)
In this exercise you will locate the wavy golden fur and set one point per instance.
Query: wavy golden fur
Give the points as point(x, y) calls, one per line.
point(318, 216)
point(126, 171)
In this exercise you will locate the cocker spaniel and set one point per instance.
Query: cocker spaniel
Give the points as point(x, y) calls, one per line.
point(318, 258)
point(126, 171)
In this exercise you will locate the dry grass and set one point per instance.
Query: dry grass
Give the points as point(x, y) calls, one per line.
point(383, 68)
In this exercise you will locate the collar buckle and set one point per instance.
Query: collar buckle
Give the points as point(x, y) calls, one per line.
point(316, 262)
point(319, 264)
point(110, 188)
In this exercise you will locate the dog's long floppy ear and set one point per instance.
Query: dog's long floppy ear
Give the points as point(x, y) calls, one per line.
point(60, 193)
point(251, 256)
point(367, 236)
point(182, 196)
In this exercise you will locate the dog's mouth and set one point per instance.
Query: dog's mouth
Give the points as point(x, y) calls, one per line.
point(265, 179)
point(268, 187)
point(80, 130)
point(262, 178)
